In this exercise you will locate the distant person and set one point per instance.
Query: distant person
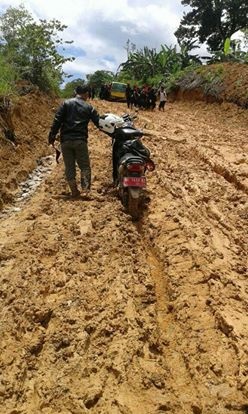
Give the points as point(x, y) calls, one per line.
point(71, 119)
point(136, 96)
point(152, 98)
point(129, 95)
point(162, 98)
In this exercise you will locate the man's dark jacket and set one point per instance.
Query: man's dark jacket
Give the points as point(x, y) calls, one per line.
point(72, 120)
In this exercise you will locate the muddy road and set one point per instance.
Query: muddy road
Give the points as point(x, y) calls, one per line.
point(103, 315)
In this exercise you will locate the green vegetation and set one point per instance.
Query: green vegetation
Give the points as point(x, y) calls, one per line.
point(212, 21)
point(209, 82)
point(7, 77)
point(231, 53)
point(30, 49)
point(95, 80)
point(70, 87)
point(152, 66)
point(100, 77)
point(165, 66)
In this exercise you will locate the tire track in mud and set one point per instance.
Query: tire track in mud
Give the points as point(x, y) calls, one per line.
point(169, 330)
point(222, 170)
point(190, 190)
point(189, 328)
point(27, 188)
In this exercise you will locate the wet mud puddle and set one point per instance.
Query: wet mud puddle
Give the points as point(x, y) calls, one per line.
point(27, 188)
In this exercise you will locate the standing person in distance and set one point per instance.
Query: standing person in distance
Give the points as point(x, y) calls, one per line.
point(162, 98)
point(72, 119)
point(129, 95)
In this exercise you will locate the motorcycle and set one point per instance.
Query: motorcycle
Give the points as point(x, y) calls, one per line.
point(131, 160)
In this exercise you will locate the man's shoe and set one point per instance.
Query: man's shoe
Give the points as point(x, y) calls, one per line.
point(74, 190)
point(86, 194)
point(75, 194)
point(85, 187)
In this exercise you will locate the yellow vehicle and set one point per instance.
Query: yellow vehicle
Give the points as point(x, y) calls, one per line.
point(118, 91)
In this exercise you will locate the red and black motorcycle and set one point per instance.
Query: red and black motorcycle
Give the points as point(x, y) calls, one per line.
point(131, 160)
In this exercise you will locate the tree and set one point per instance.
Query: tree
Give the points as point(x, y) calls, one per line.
point(32, 48)
point(11, 23)
point(129, 47)
point(146, 64)
point(70, 87)
point(142, 64)
point(100, 77)
point(212, 21)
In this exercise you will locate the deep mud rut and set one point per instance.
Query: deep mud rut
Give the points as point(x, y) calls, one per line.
point(103, 315)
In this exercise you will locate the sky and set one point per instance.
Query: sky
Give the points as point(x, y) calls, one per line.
point(100, 29)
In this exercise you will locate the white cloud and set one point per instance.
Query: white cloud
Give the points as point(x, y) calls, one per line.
point(103, 28)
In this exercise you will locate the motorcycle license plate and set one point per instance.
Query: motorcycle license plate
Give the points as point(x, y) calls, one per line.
point(134, 181)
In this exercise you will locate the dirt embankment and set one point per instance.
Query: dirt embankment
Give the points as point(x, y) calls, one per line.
point(29, 116)
point(223, 82)
point(105, 316)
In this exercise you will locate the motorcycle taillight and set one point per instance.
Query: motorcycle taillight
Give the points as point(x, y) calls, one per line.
point(135, 167)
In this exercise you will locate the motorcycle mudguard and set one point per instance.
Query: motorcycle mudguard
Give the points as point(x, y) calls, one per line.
point(135, 192)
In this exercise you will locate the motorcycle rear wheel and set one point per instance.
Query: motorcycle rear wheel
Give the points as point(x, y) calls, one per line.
point(133, 207)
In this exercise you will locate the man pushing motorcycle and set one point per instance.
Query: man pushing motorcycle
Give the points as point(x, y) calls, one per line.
point(71, 120)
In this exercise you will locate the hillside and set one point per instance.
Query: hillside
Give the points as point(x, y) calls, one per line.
point(223, 82)
point(103, 315)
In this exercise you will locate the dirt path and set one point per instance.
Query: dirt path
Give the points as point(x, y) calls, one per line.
point(105, 316)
